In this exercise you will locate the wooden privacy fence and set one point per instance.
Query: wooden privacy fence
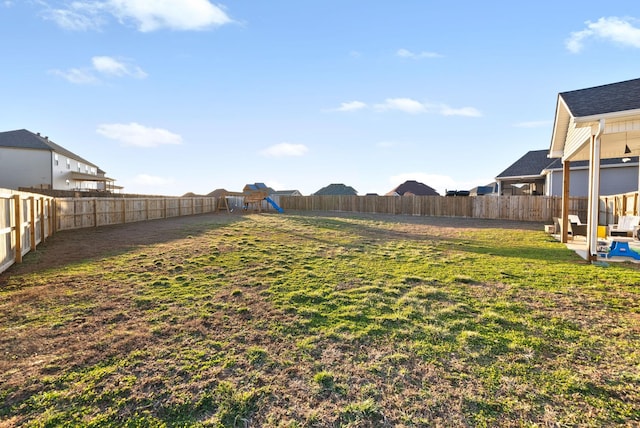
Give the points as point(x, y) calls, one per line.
point(518, 208)
point(26, 220)
point(615, 206)
point(77, 213)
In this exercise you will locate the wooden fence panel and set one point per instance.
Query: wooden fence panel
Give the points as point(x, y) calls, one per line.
point(7, 244)
point(24, 223)
point(511, 207)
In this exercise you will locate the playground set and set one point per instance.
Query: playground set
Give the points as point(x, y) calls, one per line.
point(251, 199)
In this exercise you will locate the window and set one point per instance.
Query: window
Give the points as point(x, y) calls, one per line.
point(55, 159)
point(68, 164)
point(79, 167)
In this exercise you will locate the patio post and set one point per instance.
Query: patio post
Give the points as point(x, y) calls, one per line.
point(566, 181)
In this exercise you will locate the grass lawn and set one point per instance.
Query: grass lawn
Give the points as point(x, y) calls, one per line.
point(321, 320)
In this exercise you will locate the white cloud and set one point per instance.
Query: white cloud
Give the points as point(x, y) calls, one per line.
point(534, 124)
point(614, 29)
point(77, 76)
point(404, 53)
point(146, 15)
point(285, 150)
point(441, 183)
point(411, 106)
point(352, 106)
point(134, 134)
point(406, 105)
point(111, 66)
point(151, 180)
point(102, 65)
point(445, 110)
point(78, 16)
point(173, 14)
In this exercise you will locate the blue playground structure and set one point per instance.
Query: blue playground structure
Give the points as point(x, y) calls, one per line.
point(621, 248)
point(274, 205)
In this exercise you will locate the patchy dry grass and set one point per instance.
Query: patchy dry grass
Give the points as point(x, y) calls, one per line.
point(316, 321)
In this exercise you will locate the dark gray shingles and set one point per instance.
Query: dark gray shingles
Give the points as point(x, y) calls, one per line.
point(614, 97)
point(24, 139)
point(531, 164)
point(415, 188)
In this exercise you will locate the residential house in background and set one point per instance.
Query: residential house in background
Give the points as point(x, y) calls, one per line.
point(536, 174)
point(413, 187)
point(337, 189)
point(32, 161)
point(286, 193)
point(526, 175)
point(489, 189)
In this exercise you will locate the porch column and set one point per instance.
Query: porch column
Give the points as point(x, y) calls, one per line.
point(566, 182)
point(594, 194)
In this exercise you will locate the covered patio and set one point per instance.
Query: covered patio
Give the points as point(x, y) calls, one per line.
point(592, 124)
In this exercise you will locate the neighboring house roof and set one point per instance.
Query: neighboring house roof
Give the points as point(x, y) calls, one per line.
point(23, 139)
point(532, 164)
point(286, 193)
point(336, 189)
point(412, 187)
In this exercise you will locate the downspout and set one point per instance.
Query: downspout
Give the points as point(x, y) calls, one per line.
point(594, 194)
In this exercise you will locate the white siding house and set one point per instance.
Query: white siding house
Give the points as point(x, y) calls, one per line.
point(32, 161)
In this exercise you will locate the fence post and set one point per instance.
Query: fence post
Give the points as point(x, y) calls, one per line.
point(32, 222)
point(18, 227)
point(42, 217)
point(95, 212)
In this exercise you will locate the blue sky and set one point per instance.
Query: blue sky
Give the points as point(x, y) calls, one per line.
point(176, 96)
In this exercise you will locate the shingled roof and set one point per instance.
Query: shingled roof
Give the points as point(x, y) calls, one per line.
point(337, 189)
point(413, 187)
point(23, 139)
point(614, 97)
point(530, 165)
point(579, 114)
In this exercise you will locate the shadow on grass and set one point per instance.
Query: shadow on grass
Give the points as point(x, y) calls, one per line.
point(81, 245)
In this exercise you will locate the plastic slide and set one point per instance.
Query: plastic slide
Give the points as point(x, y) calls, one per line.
point(272, 202)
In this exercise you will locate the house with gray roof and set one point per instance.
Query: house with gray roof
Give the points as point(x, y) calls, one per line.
point(337, 190)
point(595, 124)
point(413, 187)
point(33, 161)
point(537, 174)
point(526, 175)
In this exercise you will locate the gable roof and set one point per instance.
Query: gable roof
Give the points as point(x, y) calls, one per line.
point(530, 165)
point(579, 114)
point(413, 187)
point(613, 97)
point(23, 139)
point(337, 189)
